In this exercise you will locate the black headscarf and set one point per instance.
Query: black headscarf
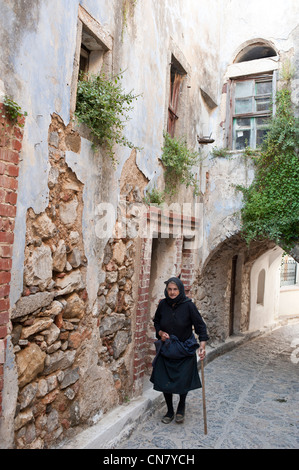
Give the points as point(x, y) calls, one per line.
point(179, 299)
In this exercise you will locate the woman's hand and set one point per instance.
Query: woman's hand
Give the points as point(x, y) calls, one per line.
point(202, 350)
point(163, 335)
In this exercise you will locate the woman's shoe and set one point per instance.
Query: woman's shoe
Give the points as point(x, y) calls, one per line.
point(179, 418)
point(167, 419)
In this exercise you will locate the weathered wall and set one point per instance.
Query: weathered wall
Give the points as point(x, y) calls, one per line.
point(75, 298)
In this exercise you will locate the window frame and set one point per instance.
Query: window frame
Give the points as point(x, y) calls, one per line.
point(88, 24)
point(177, 77)
point(253, 115)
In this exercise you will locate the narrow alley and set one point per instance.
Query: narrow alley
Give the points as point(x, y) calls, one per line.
point(144, 140)
point(251, 397)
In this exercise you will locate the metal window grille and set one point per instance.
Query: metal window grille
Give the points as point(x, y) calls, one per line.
point(288, 272)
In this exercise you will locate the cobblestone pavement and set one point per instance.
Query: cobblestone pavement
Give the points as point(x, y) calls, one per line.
point(252, 399)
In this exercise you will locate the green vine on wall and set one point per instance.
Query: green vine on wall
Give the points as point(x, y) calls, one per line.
point(178, 161)
point(103, 106)
point(13, 111)
point(271, 203)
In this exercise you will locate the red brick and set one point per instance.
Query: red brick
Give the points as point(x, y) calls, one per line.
point(6, 237)
point(3, 331)
point(21, 120)
point(5, 264)
point(16, 145)
point(18, 133)
point(12, 170)
point(4, 291)
point(5, 277)
point(8, 182)
point(5, 251)
point(4, 318)
point(11, 198)
point(8, 210)
point(142, 290)
point(8, 155)
point(4, 140)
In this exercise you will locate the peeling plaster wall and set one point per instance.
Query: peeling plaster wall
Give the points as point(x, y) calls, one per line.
point(36, 66)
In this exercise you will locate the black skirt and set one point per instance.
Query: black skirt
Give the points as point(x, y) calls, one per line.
point(175, 375)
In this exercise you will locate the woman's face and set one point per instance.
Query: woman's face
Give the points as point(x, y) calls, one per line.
point(172, 290)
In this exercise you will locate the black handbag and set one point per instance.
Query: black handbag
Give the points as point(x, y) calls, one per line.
point(173, 348)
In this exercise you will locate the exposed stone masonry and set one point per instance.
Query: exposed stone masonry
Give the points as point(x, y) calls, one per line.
point(47, 328)
point(51, 321)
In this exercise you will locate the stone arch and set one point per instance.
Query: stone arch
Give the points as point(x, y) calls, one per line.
point(255, 49)
point(222, 287)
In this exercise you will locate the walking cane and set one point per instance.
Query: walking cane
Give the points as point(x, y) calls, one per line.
point(204, 398)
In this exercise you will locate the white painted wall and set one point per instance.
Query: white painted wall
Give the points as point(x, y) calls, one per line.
point(289, 300)
point(265, 313)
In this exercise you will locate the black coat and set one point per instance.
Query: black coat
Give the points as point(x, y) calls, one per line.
point(178, 320)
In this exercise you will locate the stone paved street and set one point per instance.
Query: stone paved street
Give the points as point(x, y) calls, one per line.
point(252, 397)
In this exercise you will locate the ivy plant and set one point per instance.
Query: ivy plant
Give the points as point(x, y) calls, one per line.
point(104, 107)
point(178, 161)
point(271, 203)
point(220, 152)
point(154, 196)
point(13, 111)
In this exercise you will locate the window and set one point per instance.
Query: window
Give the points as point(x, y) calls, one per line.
point(91, 53)
point(250, 89)
point(177, 75)
point(261, 287)
point(251, 110)
point(93, 50)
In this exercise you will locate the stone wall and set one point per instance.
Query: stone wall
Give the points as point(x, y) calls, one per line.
point(73, 364)
point(47, 330)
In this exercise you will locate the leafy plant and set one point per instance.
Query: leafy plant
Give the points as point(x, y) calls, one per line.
point(13, 111)
point(220, 152)
point(271, 203)
point(103, 106)
point(154, 196)
point(178, 161)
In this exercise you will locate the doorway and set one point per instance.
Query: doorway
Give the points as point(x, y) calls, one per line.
point(232, 295)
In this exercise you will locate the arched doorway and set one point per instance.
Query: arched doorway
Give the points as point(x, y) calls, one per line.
point(226, 285)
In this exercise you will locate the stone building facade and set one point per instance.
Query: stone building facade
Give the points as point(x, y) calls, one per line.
point(83, 259)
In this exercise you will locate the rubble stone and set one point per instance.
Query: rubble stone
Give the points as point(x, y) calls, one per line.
point(75, 307)
point(120, 343)
point(59, 257)
point(44, 227)
point(68, 212)
point(111, 324)
point(69, 283)
point(30, 362)
point(38, 267)
point(32, 303)
point(38, 325)
point(59, 360)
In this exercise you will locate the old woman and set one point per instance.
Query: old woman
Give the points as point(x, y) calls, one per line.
point(175, 365)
